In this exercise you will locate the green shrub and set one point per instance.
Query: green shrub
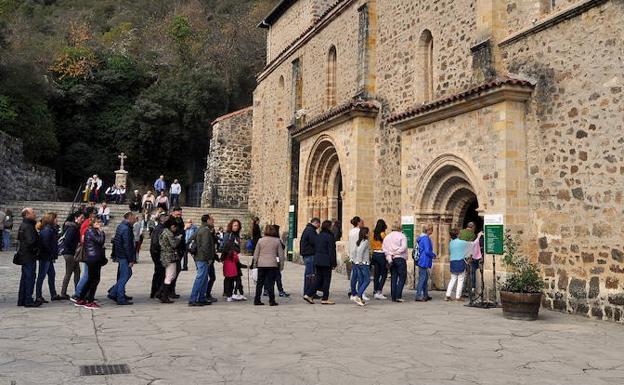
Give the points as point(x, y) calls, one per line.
point(523, 275)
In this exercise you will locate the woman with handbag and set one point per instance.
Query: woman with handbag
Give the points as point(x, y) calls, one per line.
point(458, 249)
point(95, 258)
point(268, 258)
point(169, 256)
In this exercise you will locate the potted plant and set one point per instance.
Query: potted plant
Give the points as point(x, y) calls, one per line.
point(521, 293)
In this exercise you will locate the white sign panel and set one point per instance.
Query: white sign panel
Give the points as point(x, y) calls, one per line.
point(493, 219)
point(407, 220)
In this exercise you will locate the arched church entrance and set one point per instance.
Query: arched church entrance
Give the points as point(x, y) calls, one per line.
point(448, 198)
point(324, 187)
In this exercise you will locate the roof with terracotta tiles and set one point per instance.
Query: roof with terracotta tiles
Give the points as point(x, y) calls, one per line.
point(470, 93)
point(360, 105)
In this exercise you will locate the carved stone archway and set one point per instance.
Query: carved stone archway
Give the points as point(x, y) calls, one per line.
point(324, 191)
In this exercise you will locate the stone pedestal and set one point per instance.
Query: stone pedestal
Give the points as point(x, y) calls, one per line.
point(121, 178)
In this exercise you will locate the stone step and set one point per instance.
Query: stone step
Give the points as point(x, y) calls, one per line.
point(221, 216)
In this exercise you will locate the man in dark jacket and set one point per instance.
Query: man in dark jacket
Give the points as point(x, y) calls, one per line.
point(67, 249)
point(159, 270)
point(306, 249)
point(176, 215)
point(124, 252)
point(211, 269)
point(27, 253)
point(204, 243)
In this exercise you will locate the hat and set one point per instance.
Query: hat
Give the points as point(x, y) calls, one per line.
point(177, 208)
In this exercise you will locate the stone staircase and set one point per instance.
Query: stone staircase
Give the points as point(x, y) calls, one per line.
point(221, 216)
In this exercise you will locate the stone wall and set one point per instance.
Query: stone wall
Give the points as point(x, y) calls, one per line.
point(19, 179)
point(227, 175)
point(576, 157)
point(552, 163)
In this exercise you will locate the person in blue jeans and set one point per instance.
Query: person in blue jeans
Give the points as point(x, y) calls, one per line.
point(306, 249)
point(82, 282)
point(395, 248)
point(27, 253)
point(47, 255)
point(204, 255)
point(424, 260)
point(361, 265)
point(124, 252)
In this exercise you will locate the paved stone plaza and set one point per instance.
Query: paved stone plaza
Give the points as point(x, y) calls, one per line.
point(296, 343)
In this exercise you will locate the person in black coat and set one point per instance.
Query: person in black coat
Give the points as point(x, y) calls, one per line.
point(324, 263)
point(306, 249)
point(159, 270)
point(26, 256)
point(95, 255)
point(71, 239)
point(176, 216)
point(48, 254)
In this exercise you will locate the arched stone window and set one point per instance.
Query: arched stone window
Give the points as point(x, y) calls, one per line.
point(424, 70)
point(331, 78)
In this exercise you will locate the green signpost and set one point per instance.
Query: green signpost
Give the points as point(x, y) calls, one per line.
point(407, 228)
point(494, 233)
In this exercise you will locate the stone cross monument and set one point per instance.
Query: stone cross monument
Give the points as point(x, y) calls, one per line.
point(121, 175)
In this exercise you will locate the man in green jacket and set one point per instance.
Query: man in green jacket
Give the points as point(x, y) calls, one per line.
point(204, 255)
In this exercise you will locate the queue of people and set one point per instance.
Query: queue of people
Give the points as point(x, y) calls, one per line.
point(81, 241)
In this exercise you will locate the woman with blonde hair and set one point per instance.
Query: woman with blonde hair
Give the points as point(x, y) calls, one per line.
point(47, 255)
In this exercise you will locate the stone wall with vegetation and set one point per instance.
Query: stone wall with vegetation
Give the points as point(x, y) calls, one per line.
point(226, 181)
point(20, 180)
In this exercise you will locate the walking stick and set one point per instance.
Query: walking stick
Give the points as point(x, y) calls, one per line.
point(248, 284)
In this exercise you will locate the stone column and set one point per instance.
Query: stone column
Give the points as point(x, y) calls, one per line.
point(121, 178)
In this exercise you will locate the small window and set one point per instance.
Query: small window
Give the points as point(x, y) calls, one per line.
point(425, 60)
point(331, 78)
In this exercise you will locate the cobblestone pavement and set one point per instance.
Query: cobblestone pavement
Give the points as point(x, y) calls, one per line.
point(296, 343)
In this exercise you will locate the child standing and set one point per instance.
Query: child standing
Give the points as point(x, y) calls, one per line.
point(231, 267)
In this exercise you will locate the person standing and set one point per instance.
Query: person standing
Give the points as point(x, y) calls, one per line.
point(159, 271)
point(211, 268)
point(71, 239)
point(189, 230)
point(354, 235)
point(8, 227)
point(469, 234)
point(379, 259)
point(361, 262)
point(169, 257)
point(95, 255)
point(176, 216)
point(307, 246)
point(204, 244)
point(160, 185)
point(124, 253)
point(395, 248)
point(174, 191)
point(233, 235)
point(424, 262)
point(26, 256)
point(256, 233)
point(47, 255)
point(459, 250)
point(324, 263)
point(268, 258)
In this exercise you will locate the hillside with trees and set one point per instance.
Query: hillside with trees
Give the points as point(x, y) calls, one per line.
point(82, 80)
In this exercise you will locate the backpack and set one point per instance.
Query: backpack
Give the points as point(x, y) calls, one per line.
point(416, 252)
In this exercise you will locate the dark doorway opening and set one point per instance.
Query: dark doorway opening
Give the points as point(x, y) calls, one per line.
point(472, 215)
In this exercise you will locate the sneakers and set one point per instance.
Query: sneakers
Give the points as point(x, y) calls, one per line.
point(229, 299)
point(91, 305)
point(353, 297)
point(359, 301)
point(379, 296)
point(447, 298)
point(284, 294)
point(73, 298)
point(400, 300)
point(239, 297)
point(308, 299)
point(365, 298)
point(80, 303)
point(328, 302)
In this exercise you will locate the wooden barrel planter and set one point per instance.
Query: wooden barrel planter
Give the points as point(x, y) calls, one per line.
point(521, 306)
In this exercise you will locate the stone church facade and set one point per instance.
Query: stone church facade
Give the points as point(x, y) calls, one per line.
point(448, 110)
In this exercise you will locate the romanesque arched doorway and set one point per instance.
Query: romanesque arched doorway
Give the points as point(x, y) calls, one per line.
point(448, 198)
point(324, 188)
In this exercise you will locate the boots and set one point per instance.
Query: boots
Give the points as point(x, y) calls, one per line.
point(164, 294)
